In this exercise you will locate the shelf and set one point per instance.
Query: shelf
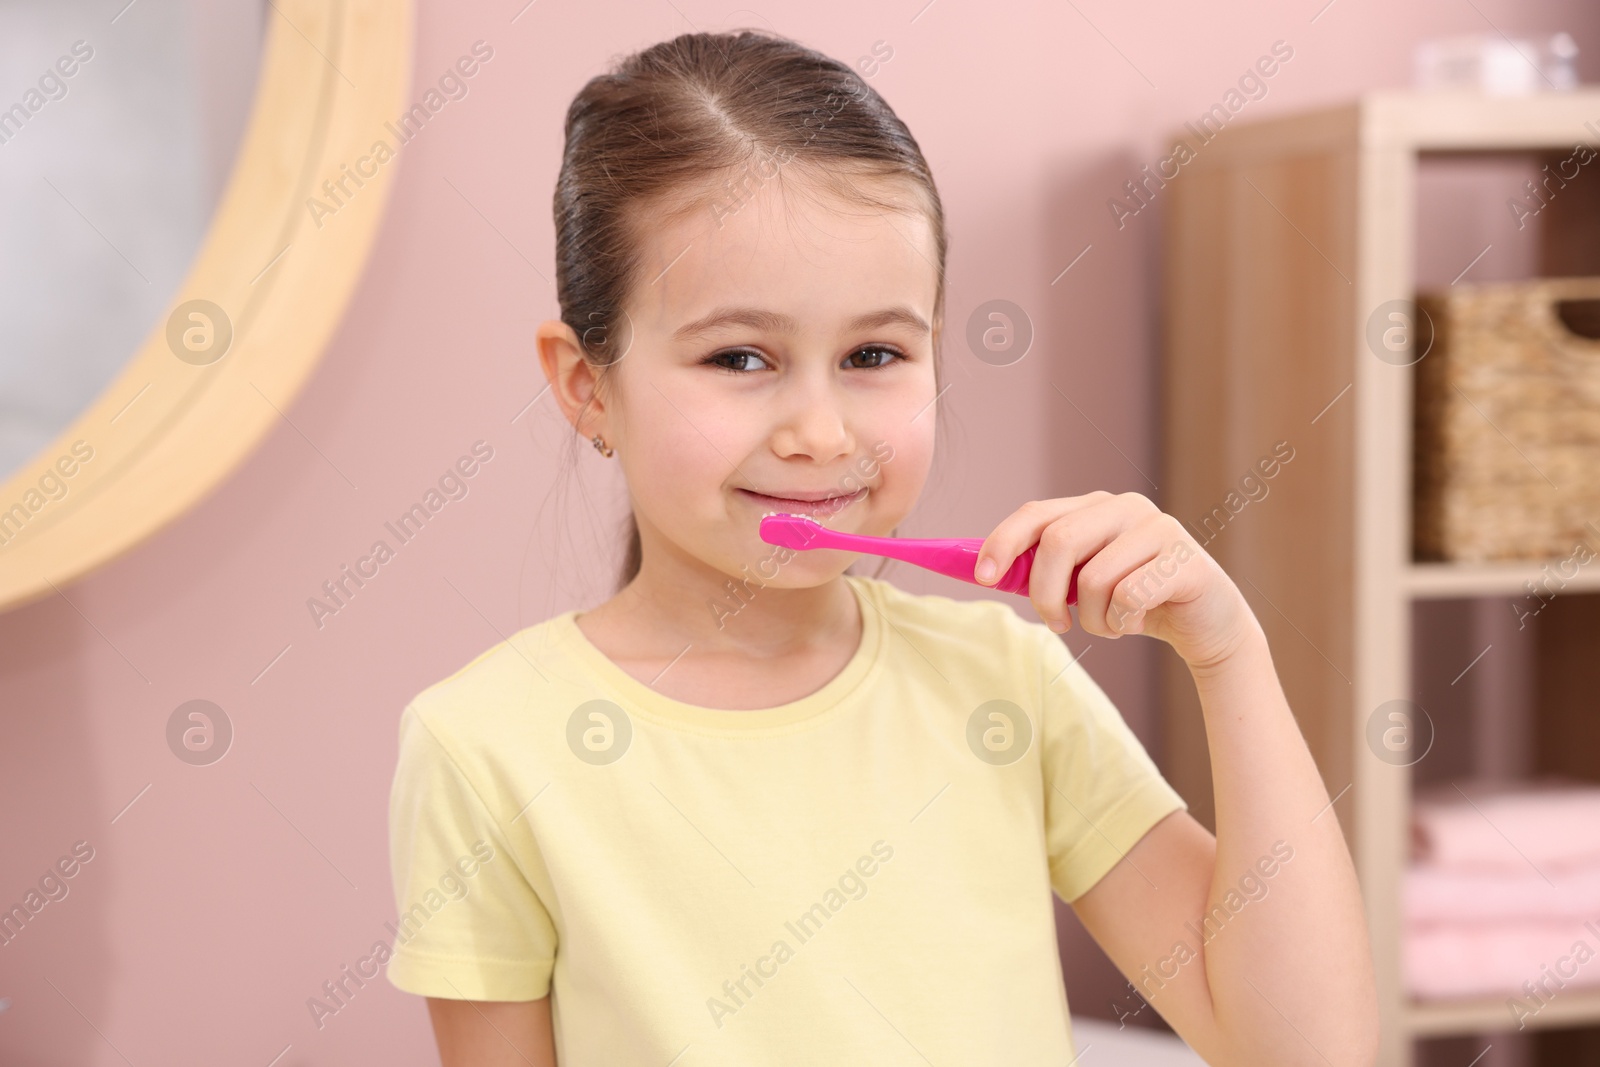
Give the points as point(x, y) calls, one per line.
point(1467, 120)
point(1423, 121)
point(1445, 580)
point(1576, 1007)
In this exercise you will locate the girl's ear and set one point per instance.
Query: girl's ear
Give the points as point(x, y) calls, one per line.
point(572, 379)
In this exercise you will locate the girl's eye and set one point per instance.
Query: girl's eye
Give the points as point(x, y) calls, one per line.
point(889, 354)
point(735, 354)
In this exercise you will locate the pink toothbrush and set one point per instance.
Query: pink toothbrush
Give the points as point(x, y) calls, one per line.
point(955, 557)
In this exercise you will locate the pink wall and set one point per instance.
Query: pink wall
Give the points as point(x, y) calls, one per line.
point(225, 895)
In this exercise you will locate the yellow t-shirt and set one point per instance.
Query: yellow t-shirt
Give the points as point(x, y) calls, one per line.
point(863, 875)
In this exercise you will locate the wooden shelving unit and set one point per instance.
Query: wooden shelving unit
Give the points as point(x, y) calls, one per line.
point(1282, 237)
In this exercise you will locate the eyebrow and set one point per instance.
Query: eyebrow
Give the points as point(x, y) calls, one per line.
point(776, 322)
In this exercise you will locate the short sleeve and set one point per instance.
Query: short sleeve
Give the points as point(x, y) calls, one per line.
point(1103, 792)
point(470, 925)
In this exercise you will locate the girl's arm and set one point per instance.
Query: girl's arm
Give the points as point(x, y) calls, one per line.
point(493, 1033)
point(1275, 967)
point(1252, 944)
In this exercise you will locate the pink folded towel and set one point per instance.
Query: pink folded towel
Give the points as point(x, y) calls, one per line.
point(1515, 828)
point(1495, 960)
point(1442, 895)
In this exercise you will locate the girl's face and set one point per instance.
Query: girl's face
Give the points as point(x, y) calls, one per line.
point(782, 348)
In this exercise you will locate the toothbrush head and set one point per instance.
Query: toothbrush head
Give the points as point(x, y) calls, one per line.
point(789, 531)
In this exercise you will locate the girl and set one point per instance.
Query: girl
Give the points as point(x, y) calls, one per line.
point(756, 810)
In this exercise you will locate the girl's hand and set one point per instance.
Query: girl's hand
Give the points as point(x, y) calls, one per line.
point(1142, 573)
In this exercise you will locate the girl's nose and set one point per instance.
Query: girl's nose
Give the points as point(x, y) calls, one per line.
point(813, 423)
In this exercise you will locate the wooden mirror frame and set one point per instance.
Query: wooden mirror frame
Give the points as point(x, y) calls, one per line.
point(181, 416)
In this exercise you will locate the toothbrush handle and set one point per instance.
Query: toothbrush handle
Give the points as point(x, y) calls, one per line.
point(956, 557)
point(1015, 579)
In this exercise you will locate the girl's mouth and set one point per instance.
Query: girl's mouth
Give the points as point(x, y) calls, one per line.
point(825, 506)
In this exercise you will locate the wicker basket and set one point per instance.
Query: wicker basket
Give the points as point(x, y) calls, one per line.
point(1507, 461)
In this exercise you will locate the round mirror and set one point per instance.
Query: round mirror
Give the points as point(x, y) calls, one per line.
point(192, 189)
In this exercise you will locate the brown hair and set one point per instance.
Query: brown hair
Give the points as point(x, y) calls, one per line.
point(649, 141)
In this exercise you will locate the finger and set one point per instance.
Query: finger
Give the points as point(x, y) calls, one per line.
point(1148, 587)
point(1020, 531)
point(1101, 577)
point(1064, 544)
